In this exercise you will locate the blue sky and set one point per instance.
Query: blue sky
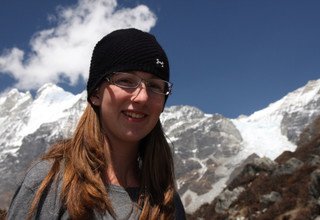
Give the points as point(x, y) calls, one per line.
point(230, 57)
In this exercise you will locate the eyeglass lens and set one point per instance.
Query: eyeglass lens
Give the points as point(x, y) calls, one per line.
point(128, 80)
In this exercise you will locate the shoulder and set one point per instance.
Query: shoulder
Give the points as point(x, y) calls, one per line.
point(24, 195)
point(36, 174)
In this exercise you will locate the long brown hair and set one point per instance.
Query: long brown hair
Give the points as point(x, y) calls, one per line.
point(82, 160)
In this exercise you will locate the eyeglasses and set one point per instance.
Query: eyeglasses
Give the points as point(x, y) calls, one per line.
point(131, 81)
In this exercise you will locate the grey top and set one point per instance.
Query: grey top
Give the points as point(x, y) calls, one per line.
point(124, 200)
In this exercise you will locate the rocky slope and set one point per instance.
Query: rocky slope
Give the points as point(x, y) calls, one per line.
point(286, 188)
point(209, 148)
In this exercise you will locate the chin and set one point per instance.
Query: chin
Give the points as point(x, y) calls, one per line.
point(135, 137)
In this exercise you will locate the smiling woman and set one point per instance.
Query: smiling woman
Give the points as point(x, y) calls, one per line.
point(118, 164)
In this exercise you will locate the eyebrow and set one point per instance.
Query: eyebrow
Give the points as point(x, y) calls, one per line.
point(152, 76)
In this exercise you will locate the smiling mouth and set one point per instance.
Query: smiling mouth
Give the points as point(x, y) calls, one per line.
point(134, 115)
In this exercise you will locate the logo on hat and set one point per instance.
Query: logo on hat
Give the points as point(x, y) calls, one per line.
point(160, 62)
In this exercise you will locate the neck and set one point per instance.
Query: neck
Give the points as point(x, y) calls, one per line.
point(123, 167)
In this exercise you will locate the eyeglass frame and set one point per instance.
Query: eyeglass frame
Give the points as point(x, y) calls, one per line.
point(108, 78)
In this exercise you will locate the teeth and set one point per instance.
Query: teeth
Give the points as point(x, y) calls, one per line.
point(134, 115)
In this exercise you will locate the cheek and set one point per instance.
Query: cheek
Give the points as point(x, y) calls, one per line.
point(157, 106)
point(111, 97)
point(108, 106)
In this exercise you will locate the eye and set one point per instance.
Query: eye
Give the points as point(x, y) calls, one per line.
point(126, 81)
point(156, 86)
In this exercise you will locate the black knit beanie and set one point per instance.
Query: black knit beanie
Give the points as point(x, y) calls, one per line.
point(126, 50)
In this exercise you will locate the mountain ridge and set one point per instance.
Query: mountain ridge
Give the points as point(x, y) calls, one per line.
point(208, 147)
point(286, 188)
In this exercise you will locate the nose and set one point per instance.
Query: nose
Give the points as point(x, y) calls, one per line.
point(141, 93)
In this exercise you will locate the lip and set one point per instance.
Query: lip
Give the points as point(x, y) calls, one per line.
point(134, 115)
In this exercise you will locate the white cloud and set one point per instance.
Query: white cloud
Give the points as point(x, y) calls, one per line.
point(64, 51)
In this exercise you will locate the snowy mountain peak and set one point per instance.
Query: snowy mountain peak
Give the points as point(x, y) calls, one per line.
point(22, 115)
point(302, 96)
point(12, 98)
point(293, 101)
point(276, 125)
point(50, 93)
point(207, 147)
point(182, 113)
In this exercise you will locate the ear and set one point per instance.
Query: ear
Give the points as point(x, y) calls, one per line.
point(95, 98)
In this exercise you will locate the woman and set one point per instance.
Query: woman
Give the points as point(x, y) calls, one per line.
point(118, 164)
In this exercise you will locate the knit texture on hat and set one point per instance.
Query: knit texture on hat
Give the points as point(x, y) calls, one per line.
point(126, 50)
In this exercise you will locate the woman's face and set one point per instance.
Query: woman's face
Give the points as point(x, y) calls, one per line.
point(128, 115)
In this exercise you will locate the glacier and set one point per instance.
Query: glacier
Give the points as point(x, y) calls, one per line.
point(207, 146)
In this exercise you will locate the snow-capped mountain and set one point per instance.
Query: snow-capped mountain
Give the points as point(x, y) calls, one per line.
point(285, 188)
point(207, 147)
point(21, 115)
